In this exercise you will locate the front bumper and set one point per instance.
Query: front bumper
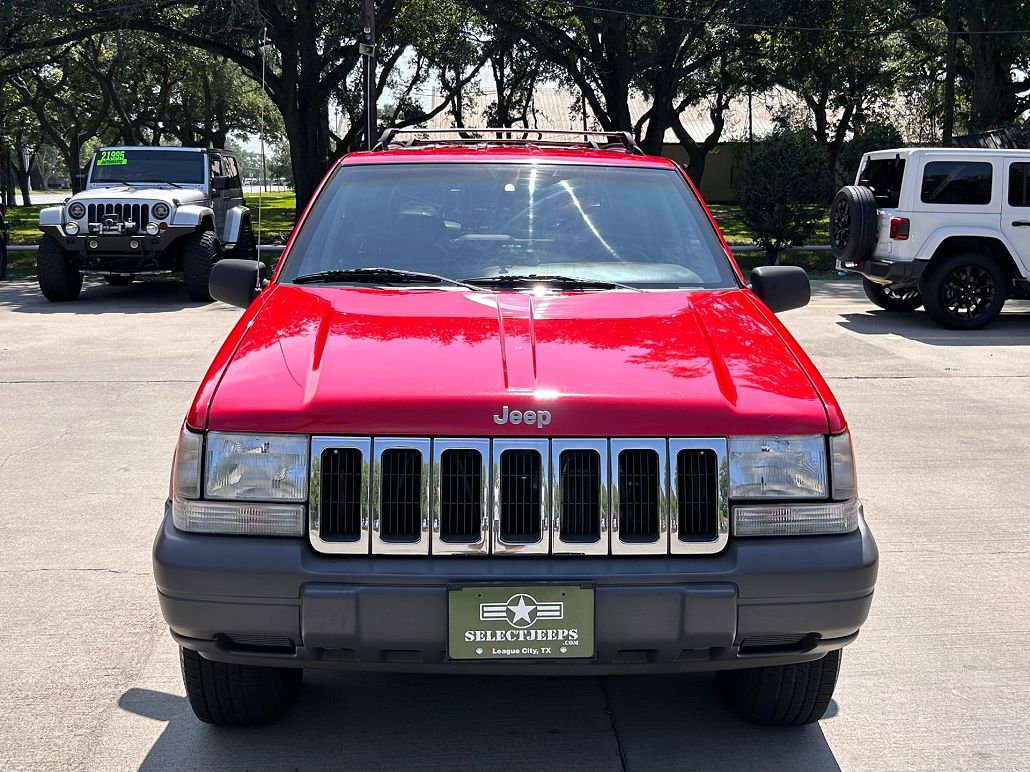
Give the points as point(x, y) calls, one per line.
point(115, 251)
point(897, 273)
point(277, 602)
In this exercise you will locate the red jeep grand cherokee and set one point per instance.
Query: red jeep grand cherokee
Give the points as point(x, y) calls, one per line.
point(507, 406)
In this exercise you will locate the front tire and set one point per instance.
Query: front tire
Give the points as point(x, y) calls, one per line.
point(246, 247)
point(237, 695)
point(199, 253)
point(907, 299)
point(59, 280)
point(965, 291)
point(782, 695)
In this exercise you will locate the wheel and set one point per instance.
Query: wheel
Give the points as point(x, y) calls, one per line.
point(965, 292)
point(59, 279)
point(119, 279)
point(784, 695)
point(907, 299)
point(199, 253)
point(237, 695)
point(852, 223)
point(246, 247)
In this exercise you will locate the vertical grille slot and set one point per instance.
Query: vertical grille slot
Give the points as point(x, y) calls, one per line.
point(580, 506)
point(697, 491)
point(639, 496)
point(461, 504)
point(341, 490)
point(401, 495)
point(521, 489)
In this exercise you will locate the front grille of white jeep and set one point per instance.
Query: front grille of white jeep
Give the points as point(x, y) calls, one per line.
point(513, 496)
point(119, 212)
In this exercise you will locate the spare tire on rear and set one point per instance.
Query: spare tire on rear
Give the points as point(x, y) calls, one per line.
point(852, 224)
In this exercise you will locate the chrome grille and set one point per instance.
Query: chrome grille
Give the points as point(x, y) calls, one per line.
point(422, 496)
point(121, 212)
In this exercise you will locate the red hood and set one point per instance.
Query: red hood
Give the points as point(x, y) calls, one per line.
point(443, 363)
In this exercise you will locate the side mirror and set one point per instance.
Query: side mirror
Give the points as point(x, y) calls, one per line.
point(236, 282)
point(781, 287)
point(219, 182)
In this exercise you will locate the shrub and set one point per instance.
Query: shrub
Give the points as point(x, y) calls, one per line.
point(784, 191)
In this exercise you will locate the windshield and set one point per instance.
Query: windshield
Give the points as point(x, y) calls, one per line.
point(636, 226)
point(148, 166)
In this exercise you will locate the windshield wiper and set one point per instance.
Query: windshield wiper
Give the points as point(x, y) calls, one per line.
point(160, 182)
point(555, 280)
point(379, 276)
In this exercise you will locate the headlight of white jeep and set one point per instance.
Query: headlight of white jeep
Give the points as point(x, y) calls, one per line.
point(76, 210)
point(161, 210)
point(778, 467)
point(253, 467)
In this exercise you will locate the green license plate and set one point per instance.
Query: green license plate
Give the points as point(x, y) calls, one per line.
point(533, 622)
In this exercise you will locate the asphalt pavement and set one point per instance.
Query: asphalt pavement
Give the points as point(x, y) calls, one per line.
point(93, 392)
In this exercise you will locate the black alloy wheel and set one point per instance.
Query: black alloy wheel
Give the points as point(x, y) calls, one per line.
point(965, 292)
point(890, 299)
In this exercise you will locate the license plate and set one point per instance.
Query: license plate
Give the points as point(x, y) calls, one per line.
point(531, 622)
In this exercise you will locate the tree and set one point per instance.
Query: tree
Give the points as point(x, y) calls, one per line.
point(837, 71)
point(784, 191)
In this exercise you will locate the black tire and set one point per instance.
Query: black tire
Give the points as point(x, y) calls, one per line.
point(237, 695)
point(59, 279)
point(119, 279)
point(784, 695)
point(965, 291)
point(852, 224)
point(907, 299)
point(246, 247)
point(199, 253)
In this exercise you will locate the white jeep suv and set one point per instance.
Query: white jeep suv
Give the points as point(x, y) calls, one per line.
point(945, 228)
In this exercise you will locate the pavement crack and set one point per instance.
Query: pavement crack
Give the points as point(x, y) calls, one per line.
point(615, 727)
point(104, 570)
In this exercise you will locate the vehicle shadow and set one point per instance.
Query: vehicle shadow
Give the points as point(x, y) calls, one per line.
point(141, 297)
point(463, 723)
point(1012, 328)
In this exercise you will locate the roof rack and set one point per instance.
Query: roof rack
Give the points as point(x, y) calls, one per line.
point(597, 140)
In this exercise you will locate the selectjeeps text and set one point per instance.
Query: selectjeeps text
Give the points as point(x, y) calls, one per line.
point(508, 406)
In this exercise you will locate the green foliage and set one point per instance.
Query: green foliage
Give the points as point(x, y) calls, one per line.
point(784, 191)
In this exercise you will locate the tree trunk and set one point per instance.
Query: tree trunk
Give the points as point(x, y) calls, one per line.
point(948, 116)
point(21, 171)
point(992, 98)
point(307, 128)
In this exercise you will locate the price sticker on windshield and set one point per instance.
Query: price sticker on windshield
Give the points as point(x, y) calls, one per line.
point(112, 158)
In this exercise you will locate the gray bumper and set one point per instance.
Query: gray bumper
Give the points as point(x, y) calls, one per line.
point(278, 602)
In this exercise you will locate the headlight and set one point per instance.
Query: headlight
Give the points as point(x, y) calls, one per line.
point(153, 228)
point(71, 228)
point(253, 467)
point(77, 210)
point(161, 211)
point(778, 467)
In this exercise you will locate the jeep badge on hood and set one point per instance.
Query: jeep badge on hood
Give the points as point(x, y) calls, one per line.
point(539, 417)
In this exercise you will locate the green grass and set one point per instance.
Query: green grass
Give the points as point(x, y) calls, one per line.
point(23, 222)
point(277, 215)
point(736, 231)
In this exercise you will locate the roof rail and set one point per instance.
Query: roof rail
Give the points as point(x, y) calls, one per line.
point(598, 140)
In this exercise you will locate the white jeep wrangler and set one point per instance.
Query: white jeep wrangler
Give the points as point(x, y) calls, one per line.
point(146, 211)
point(945, 228)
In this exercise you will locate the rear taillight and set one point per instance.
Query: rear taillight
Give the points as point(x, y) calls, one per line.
point(899, 228)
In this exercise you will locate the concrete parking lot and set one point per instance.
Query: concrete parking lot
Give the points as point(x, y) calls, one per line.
point(91, 397)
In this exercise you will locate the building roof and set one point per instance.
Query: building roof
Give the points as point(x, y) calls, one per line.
point(559, 108)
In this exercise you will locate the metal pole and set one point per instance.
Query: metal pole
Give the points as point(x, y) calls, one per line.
point(367, 48)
